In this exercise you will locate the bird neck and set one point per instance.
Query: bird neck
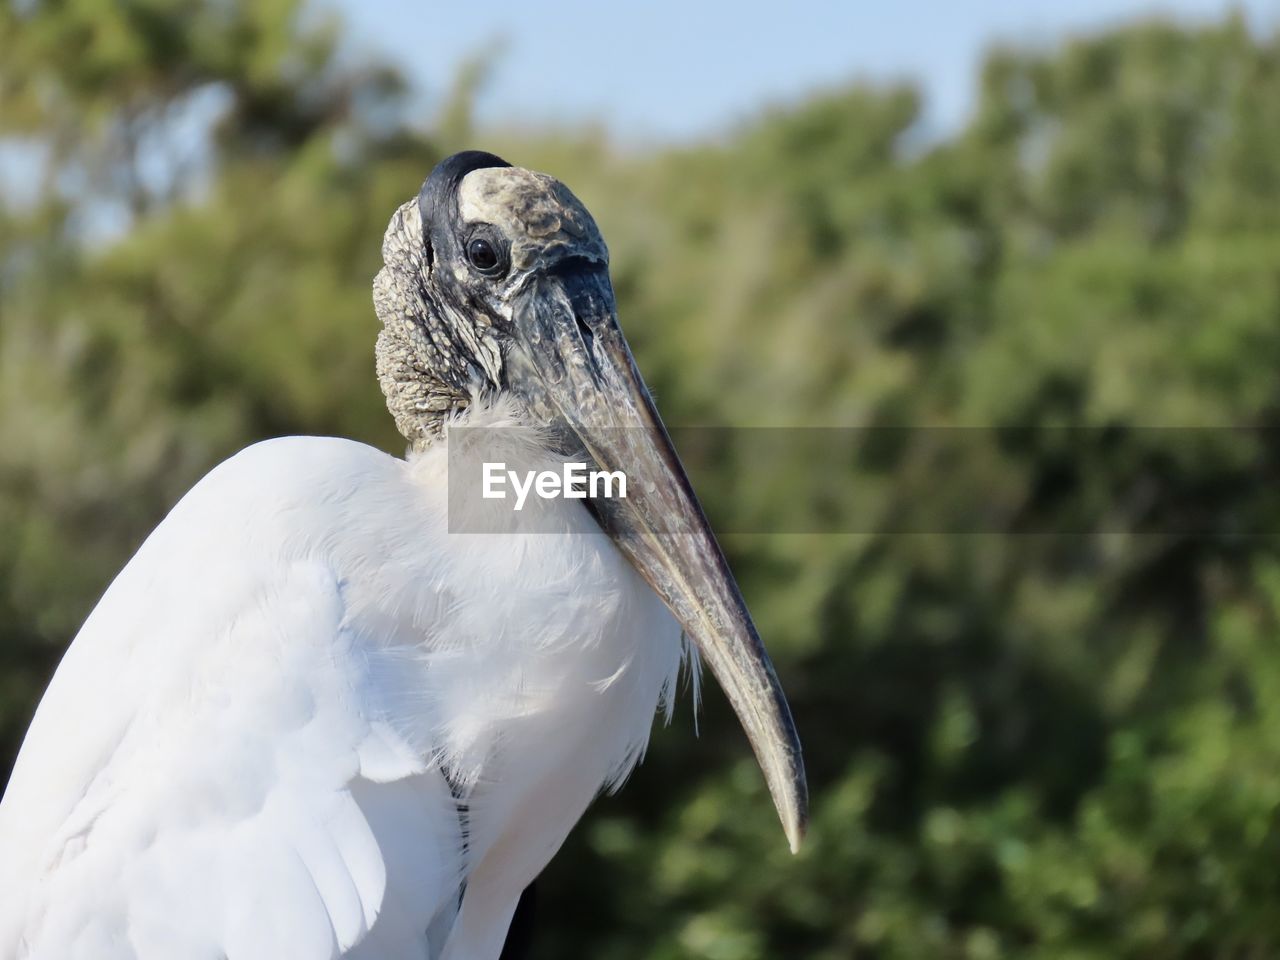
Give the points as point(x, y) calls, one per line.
point(425, 376)
point(419, 402)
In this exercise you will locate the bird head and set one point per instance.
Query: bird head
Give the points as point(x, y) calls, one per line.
point(496, 280)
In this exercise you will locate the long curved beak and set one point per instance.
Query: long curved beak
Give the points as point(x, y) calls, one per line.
point(580, 371)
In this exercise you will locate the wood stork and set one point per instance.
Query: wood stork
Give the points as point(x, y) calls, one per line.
point(306, 721)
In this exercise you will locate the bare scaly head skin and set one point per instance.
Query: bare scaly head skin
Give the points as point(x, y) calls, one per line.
point(539, 215)
point(446, 327)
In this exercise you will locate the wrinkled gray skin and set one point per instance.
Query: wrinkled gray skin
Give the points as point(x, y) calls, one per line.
point(447, 327)
point(423, 371)
point(541, 327)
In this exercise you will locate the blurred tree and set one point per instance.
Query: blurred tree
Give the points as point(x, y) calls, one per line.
point(1024, 742)
point(1055, 737)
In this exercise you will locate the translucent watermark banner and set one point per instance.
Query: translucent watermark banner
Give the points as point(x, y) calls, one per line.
point(1191, 481)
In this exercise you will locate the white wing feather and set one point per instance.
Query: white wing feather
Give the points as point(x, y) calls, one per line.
point(221, 709)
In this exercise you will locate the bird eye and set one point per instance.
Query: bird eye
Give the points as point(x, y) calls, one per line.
point(482, 255)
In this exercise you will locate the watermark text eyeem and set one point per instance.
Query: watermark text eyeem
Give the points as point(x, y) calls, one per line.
point(572, 482)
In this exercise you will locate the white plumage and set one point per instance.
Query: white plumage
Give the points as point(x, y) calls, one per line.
point(283, 676)
point(307, 721)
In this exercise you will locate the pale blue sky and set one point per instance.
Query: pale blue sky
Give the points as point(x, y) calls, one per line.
point(675, 69)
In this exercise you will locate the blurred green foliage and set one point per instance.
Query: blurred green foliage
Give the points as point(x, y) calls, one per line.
point(1020, 744)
